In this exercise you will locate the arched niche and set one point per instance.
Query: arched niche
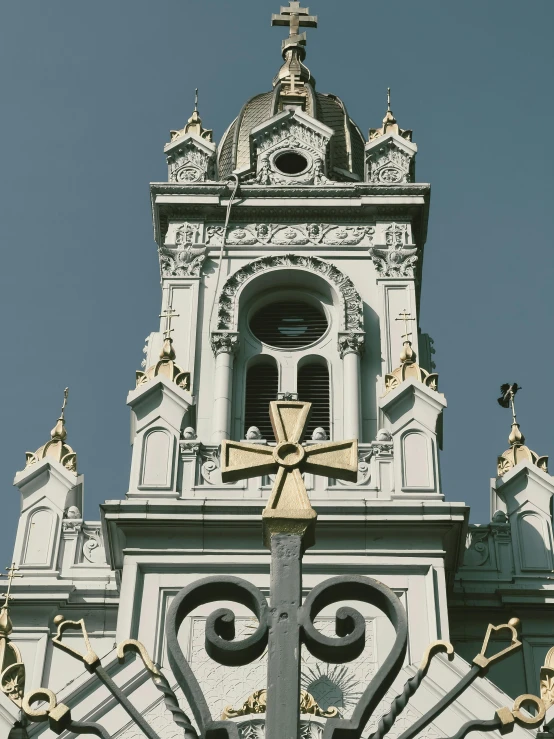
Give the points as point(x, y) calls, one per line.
point(314, 385)
point(157, 459)
point(261, 387)
point(41, 530)
point(290, 270)
point(417, 462)
point(534, 542)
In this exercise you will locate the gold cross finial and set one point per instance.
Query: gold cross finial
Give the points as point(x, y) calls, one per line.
point(388, 99)
point(405, 316)
point(168, 314)
point(196, 99)
point(288, 509)
point(11, 575)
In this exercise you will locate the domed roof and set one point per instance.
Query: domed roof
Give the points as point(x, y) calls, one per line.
point(346, 146)
point(294, 89)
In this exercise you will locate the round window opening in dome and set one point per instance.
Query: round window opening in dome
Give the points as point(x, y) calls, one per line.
point(291, 163)
point(288, 325)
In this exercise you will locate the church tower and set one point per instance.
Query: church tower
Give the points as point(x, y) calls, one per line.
point(290, 259)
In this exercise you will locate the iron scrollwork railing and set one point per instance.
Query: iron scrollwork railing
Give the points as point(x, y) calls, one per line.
point(285, 624)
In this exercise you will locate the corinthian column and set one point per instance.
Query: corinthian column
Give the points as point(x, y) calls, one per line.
point(350, 348)
point(224, 346)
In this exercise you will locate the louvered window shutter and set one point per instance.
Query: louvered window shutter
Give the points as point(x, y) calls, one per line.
point(261, 388)
point(313, 386)
point(288, 325)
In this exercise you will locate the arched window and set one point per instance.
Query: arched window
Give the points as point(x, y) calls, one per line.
point(261, 387)
point(313, 386)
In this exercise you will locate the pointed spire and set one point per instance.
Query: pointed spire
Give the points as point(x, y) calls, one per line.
point(390, 125)
point(56, 448)
point(194, 124)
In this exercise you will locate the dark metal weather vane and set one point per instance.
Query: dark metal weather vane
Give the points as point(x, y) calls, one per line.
point(288, 623)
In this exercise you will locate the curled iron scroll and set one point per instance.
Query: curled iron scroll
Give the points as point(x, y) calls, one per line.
point(219, 638)
point(350, 641)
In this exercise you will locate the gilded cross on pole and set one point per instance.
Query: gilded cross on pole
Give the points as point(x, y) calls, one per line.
point(168, 314)
point(13, 569)
point(405, 316)
point(288, 510)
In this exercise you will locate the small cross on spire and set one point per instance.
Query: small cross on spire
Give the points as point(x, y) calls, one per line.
point(11, 575)
point(168, 314)
point(62, 415)
point(404, 316)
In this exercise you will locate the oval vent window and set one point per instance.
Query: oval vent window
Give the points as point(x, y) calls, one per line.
point(291, 163)
point(288, 325)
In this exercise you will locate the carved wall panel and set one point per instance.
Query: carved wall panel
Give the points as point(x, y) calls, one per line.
point(416, 458)
point(157, 459)
point(293, 234)
point(41, 527)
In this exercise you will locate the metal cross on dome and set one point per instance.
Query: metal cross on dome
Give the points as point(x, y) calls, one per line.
point(295, 16)
point(288, 509)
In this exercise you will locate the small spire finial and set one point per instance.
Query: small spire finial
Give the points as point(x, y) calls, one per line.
point(59, 430)
point(196, 100)
point(388, 100)
point(5, 621)
point(168, 352)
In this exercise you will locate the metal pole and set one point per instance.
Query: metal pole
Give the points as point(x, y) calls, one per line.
point(283, 670)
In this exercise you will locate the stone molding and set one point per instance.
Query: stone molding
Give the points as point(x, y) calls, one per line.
point(352, 319)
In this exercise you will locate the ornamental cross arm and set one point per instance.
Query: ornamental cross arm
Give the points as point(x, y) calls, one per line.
point(288, 509)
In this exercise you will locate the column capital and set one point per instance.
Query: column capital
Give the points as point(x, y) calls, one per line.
point(351, 342)
point(224, 342)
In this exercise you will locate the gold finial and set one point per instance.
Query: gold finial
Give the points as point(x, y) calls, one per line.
point(407, 354)
point(517, 451)
point(59, 432)
point(5, 621)
point(56, 447)
point(194, 124)
point(168, 352)
point(166, 365)
point(408, 366)
point(390, 125)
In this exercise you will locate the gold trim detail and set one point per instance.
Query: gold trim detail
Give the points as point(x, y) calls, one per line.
point(193, 125)
point(512, 627)
point(409, 369)
point(257, 703)
point(56, 448)
point(166, 366)
point(90, 657)
point(390, 125)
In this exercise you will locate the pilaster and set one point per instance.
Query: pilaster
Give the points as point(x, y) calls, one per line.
point(412, 411)
point(159, 413)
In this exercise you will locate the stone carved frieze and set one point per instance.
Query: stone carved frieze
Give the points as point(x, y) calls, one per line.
point(353, 308)
point(185, 257)
point(190, 163)
point(301, 234)
point(291, 135)
point(389, 163)
point(397, 257)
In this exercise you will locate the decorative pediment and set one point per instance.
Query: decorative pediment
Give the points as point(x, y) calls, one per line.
point(290, 148)
point(390, 159)
point(190, 158)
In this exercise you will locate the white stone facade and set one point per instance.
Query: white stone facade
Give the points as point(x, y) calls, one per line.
point(353, 248)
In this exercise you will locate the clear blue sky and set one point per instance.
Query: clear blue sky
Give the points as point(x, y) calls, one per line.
point(90, 91)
